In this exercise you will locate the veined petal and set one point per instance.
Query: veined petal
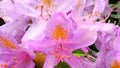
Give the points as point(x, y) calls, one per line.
point(9, 10)
point(99, 4)
point(83, 36)
point(62, 5)
point(73, 61)
point(87, 63)
point(26, 61)
point(50, 61)
point(115, 43)
point(16, 59)
point(43, 45)
point(35, 32)
point(27, 9)
point(114, 60)
point(16, 28)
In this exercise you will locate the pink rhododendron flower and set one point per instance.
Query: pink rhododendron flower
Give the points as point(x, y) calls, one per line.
point(43, 9)
point(8, 11)
point(64, 31)
point(89, 10)
point(108, 46)
point(16, 28)
point(13, 56)
point(61, 36)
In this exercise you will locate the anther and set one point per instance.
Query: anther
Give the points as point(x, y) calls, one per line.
point(65, 49)
point(57, 50)
point(108, 21)
point(57, 56)
point(5, 65)
point(14, 58)
point(62, 58)
point(68, 57)
point(13, 67)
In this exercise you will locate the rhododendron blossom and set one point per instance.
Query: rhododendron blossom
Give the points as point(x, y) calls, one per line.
point(61, 38)
point(59, 34)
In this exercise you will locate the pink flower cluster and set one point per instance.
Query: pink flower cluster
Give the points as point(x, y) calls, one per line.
point(57, 28)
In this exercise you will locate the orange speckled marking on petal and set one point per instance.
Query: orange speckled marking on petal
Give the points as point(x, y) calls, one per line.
point(115, 64)
point(59, 33)
point(7, 43)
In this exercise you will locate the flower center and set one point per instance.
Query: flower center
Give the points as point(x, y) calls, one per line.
point(115, 64)
point(47, 2)
point(7, 43)
point(59, 33)
point(60, 53)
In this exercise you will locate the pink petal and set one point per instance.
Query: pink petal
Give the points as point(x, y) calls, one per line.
point(43, 45)
point(73, 61)
point(50, 62)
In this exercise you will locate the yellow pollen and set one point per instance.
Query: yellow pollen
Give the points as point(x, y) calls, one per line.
point(115, 64)
point(48, 4)
point(7, 43)
point(59, 33)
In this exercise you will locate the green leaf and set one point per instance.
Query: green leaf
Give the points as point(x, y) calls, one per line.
point(116, 5)
point(78, 52)
point(117, 16)
point(119, 22)
point(62, 65)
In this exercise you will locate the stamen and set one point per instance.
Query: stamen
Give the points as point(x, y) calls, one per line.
point(97, 13)
point(109, 21)
point(62, 58)
point(13, 67)
point(57, 50)
point(68, 57)
point(79, 4)
point(65, 49)
point(48, 4)
point(57, 56)
point(5, 65)
point(90, 15)
point(14, 58)
point(37, 6)
point(59, 33)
